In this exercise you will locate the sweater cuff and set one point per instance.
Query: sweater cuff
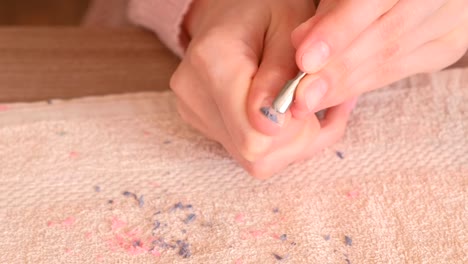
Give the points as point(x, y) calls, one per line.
point(165, 18)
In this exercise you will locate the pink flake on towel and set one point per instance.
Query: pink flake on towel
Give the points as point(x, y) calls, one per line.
point(155, 252)
point(239, 261)
point(4, 108)
point(275, 236)
point(73, 154)
point(257, 233)
point(69, 221)
point(155, 184)
point(50, 223)
point(117, 223)
point(240, 218)
point(68, 250)
point(353, 194)
point(272, 224)
point(88, 235)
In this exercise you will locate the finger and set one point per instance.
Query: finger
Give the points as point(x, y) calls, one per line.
point(382, 38)
point(301, 31)
point(214, 131)
point(336, 29)
point(298, 35)
point(287, 154)
point(307, 143)
point(228, 84)
point(197, 108)
point(187, 86)
point(333, 127)
point(276, 68)
point(430, 57)
point(211, 131)
point(383, 42)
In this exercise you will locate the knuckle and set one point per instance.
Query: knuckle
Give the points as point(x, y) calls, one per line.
point(459, 45)
point(342, 68)
point(196, 54)
point(253, 148)
point(174, 82)
point(259, 171)
point(274, 73)
point(390, 28)
point(387, 53)
point(200, 48)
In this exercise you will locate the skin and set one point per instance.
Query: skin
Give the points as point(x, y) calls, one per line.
point(239, 56)
point(365, 45)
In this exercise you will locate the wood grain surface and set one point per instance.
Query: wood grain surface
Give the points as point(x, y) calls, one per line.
point(43, 12)
point(68, 62)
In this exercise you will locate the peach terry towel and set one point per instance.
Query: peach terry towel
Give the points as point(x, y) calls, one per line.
point(120, 179)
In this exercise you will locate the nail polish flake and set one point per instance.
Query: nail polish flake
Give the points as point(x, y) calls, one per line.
point(270, 114)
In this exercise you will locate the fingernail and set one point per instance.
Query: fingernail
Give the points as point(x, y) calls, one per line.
point(271, 114)
point(314, 93)
point(315, 57)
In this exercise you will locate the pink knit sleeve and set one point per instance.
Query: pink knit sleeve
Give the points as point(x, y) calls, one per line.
point(165, 18)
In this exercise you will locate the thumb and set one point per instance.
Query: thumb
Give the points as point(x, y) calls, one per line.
point(276, 68)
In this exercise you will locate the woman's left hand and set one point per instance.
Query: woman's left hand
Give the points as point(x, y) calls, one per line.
point(350, 47)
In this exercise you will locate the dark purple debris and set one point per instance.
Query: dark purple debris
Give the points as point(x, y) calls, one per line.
point(167, 142)
point(97, 188)
point(278, 257)
point(156, 225)
point(283, 237)
point(189, 206)
point(158, 212)
point(340, 154)
point(141, 201)
point(184, 249)
point(190, 218)
point(293, 243)
point(183, 231)
point(272, 116)
point(348, 261)
point(178, 205)
point(162, 244)
point(110, 201)
point(276, 210)
point(128, 194)
point(326, 237)
point(348, 241)
point(137, 243)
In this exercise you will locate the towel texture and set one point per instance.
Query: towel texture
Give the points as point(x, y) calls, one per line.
point(120, 179)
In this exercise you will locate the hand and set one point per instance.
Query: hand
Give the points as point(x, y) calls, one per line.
point(238, 58)
point(351, 47)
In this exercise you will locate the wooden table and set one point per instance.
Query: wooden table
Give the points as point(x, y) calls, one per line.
point(67, 62)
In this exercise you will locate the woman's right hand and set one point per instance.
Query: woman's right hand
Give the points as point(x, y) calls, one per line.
point(239, 56)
